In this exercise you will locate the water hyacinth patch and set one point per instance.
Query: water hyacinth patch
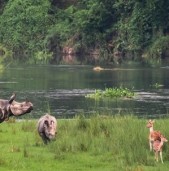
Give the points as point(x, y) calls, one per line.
point(112, 93)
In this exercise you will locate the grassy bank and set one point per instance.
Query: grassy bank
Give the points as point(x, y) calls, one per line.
point(95, 144)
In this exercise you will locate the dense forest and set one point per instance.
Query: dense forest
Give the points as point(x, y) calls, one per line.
point(105, 30)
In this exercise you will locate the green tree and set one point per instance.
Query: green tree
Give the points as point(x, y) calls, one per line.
point(44, 26)
point(24, 25)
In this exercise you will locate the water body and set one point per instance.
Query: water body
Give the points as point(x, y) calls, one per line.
point(61, 89)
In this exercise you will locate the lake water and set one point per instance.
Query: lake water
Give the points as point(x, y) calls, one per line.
point(61, 89)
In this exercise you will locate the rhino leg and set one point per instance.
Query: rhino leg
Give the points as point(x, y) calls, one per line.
point(1, 115)
point(45, 139)
point(7, 118)
point(4, 113)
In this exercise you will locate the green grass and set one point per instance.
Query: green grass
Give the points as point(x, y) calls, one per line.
point(98, 143)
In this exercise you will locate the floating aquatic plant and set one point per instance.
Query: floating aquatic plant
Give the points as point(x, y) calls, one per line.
point(111, 93)
point(157, 85)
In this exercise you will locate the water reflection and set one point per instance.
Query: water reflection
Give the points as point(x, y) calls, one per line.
point(61, 90)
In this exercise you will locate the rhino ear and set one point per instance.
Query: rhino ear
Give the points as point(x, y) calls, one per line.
point(26, 100)
point(46, 123)
point(12, 98)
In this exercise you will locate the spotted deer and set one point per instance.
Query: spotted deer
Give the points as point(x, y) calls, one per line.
point(153, 135)
point(157, 147)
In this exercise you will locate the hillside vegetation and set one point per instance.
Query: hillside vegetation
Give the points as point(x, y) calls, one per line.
point(108, 30)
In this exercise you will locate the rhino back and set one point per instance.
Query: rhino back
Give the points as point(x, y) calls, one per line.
point(3, 103)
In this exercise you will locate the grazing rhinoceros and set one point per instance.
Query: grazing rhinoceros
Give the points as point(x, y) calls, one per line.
point(12, 108)
point(47, 128)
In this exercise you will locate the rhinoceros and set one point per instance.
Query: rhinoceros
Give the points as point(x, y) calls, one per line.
point(13, 108)
point(47, 128)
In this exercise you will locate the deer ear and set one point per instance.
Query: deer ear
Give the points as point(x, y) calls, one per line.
point(148, 121)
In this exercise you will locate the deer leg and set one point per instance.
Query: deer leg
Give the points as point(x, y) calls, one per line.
point(156, 156)
point(151, 145)
point(161, 156)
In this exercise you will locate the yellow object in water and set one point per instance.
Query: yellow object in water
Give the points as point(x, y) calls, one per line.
point(98, 68)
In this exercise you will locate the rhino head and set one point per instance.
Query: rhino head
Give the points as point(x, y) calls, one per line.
point(47, 128)
point(11, 107)
point(21, 108)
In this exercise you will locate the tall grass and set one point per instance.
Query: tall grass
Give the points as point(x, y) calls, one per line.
point(124, 137)
point(94, 143)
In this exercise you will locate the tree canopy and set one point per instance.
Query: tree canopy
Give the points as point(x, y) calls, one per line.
point(115, 28)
